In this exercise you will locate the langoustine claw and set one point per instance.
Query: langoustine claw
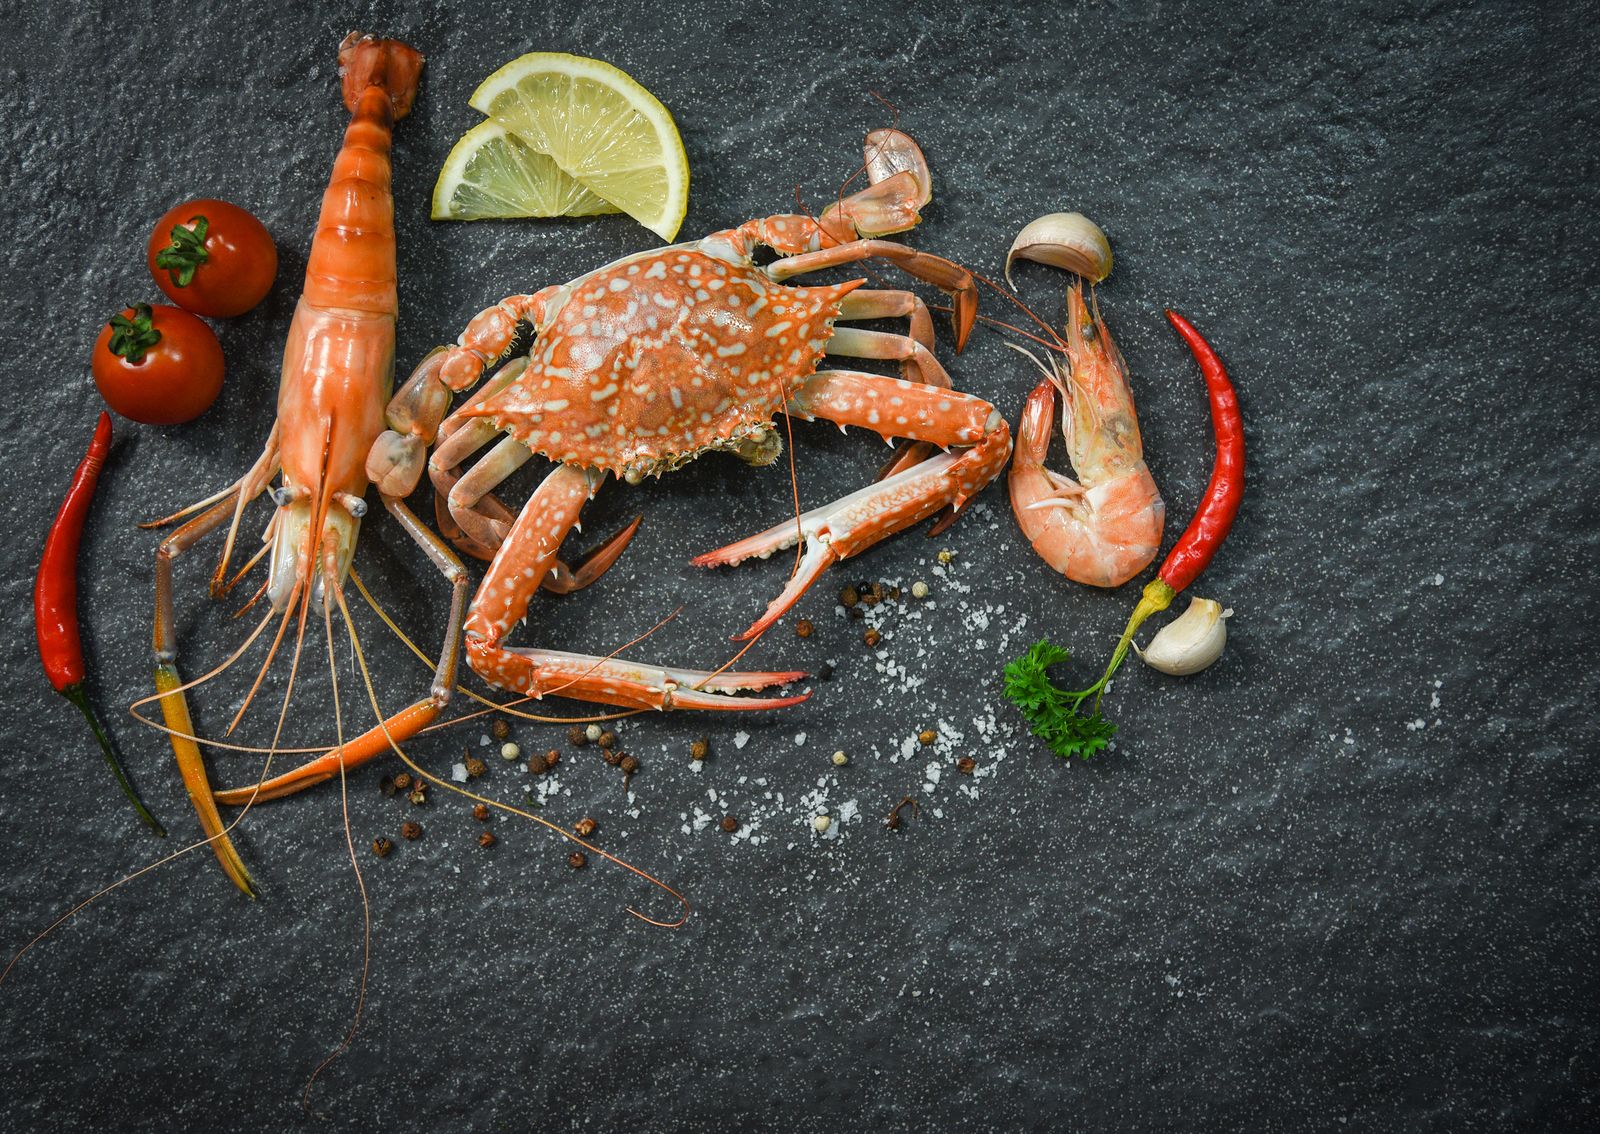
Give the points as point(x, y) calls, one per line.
point(1105, 527)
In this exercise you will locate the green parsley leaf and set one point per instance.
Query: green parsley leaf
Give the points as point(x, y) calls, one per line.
point(1052, 713)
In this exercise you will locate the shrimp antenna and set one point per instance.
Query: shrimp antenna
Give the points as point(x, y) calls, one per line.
point(330, 585)
point(372, 696)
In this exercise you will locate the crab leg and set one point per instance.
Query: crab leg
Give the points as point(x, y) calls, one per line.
point(889, 304)
point(893, 407)
point(863, 304)
point(464, 496)
point(502, 600)
point(917, 362)
point(950, 278)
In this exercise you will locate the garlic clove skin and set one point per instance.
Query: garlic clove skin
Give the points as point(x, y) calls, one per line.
point(1190, 642)
point(1063, 240)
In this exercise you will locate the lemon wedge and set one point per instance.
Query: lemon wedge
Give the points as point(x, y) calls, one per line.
point(492, 173)
point(599, 126)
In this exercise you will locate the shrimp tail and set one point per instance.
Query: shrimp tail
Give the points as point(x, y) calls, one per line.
point(365, 61)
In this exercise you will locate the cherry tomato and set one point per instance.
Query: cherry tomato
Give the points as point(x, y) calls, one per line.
point(158, 365)
point(212, 258)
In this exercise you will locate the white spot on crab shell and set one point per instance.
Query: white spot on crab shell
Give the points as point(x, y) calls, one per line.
point(872, 417)
point(667, 301)
point(755, 308)
point(656, 271)
point(778, 328)
point(730, 351)
point(556, 406)
point(603, 393)
point(618, 284)
point(677, 397)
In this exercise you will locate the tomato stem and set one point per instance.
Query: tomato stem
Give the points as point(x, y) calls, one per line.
point(186, 252)
point(133, 338)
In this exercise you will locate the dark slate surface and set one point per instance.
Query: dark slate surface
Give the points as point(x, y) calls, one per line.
point(1346, 879)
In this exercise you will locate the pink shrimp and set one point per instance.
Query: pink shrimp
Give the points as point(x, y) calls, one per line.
point(1105, 527)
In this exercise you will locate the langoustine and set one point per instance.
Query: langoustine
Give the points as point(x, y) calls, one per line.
point(337, 374)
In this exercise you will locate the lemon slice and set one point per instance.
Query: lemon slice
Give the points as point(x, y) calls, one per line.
point(598, 125)
point(492, 173)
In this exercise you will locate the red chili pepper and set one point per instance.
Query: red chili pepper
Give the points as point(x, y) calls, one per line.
point(1199, 543)
point(1220, 504)
point(55, 604)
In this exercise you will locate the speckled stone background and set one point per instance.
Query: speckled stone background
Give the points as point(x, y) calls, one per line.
point(1345, 879)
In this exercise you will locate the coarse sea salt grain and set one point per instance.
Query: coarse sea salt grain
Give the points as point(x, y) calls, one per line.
point(799, 738)
point(459, 773)
point(741, 738)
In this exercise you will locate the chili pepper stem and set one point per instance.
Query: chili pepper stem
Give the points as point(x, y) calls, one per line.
point(1158, 595)
point(77, 695)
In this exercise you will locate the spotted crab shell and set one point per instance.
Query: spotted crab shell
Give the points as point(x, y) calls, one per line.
point(658, 358)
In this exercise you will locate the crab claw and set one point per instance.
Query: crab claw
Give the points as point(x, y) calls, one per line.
point(837, 531)
point(818, 557)
point(564, 580)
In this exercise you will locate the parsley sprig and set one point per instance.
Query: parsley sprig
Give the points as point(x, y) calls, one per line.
point(1053, 713)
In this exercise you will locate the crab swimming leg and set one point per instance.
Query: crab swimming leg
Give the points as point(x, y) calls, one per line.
point(515, 576)
point(851, 524)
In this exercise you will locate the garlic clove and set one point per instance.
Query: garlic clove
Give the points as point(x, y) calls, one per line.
point(1063, 240)
point(1189, 642)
